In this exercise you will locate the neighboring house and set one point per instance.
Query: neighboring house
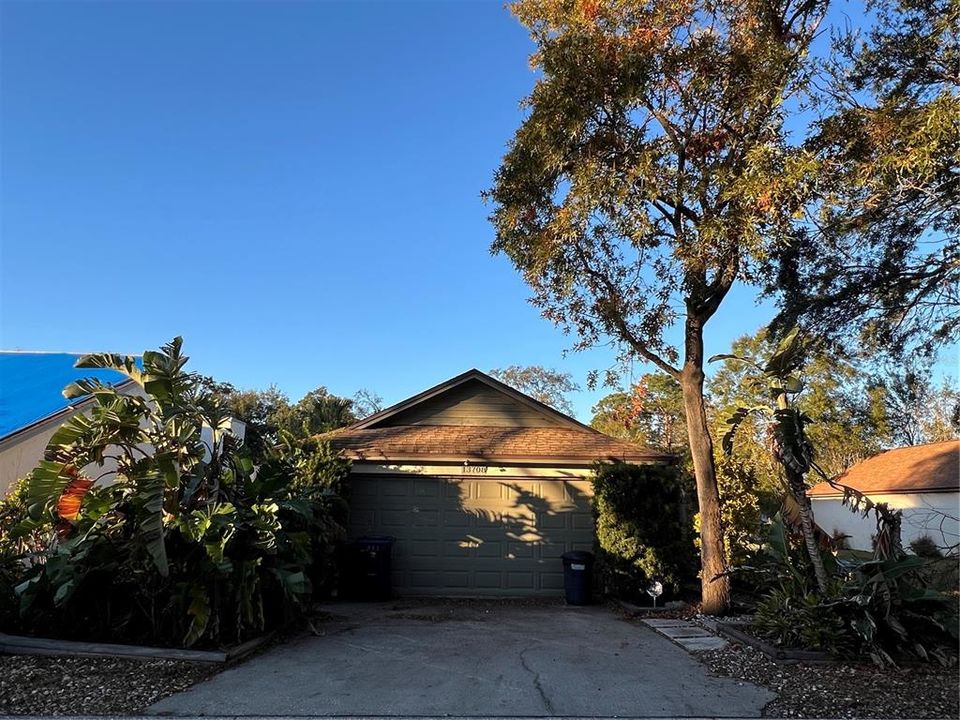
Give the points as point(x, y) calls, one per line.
point(923, 481)
point(483, 487)
point(32, 405)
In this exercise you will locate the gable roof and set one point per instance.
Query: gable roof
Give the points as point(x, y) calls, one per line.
point(378, 419)
point(457, 443)
point(32, 383)
point(934, 467)
point(421, 429)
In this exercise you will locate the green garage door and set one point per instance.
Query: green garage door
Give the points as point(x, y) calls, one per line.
point(470, 537)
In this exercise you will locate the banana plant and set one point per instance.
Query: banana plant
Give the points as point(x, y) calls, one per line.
point(786, 426)
point(147, 446)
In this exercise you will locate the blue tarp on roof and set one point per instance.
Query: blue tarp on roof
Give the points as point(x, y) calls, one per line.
point(31, 386)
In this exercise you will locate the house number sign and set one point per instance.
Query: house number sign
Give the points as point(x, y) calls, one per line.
point(475, 469)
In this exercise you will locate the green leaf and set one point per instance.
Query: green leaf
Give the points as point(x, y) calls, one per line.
point(150, 489)
point(788, 356)
point(64, 592)
point(295, 584)
point(199, 613)
point(46, 484)
point(124, 364)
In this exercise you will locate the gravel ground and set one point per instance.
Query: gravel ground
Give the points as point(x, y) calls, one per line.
point(34, 685)
point(842, 690)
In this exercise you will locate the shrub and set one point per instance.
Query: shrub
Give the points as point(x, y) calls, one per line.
point(925, 547)
point(798, 618)
point(740, 509)
point(643, 530)
point(189, 544)
point(882, 608)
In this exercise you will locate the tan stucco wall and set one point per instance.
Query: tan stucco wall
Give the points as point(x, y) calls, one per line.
point(933, 514)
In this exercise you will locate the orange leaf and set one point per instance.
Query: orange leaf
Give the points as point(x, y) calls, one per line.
point(69, 505)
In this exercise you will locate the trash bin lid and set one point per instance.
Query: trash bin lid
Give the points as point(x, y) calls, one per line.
point(578, 556)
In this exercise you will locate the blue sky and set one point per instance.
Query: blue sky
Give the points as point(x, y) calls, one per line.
point(292, 187)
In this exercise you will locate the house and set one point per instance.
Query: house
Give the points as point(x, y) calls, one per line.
point(923, 481)
point(483, 487)
point(32, 405)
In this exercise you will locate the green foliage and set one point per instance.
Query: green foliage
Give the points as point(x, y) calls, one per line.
point(894, 614)
point(740, 513)
point(653, 171)
point(794, 619)
point(925, 547)
point(846, 403)
point(650, 414)
point(181, 540)
point(272, 420)
point(884, 608)
point(549, 386)
point(880, 261)
point(643, 530)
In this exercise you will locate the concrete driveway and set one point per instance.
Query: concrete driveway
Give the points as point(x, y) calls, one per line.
point(472, 660)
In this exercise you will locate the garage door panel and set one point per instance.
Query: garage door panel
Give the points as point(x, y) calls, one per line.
point(456, 579)
point(422, 548)
point(582, 522)
point(474, 536)
point(552, 550)
point(520, 581)
point(456, 489)
point(486, 491)
point(483, 580)
point(490, 549)
point(426, 488)
point(425, 518)
point(552, 521)
point(520, 550)
point(456, 519)
point(394, 518)
point(399, 487)
point(551, 581)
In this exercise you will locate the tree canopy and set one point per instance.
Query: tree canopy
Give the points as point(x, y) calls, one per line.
point(551, 387)
point(652, 172)
point(879, 258)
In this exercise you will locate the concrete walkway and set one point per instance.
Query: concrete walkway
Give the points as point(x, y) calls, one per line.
point(477, 660)
point(688, 635)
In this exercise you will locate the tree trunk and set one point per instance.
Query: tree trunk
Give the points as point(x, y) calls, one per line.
point(799, 490)
point(715, 591)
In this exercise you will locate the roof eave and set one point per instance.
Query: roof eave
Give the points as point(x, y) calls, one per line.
point(555, 460)
point(87, 400)
point(833, 494)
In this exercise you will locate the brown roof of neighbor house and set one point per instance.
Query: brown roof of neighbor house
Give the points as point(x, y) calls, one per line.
point(455, 442)
point(476, 417)
point(922, 468)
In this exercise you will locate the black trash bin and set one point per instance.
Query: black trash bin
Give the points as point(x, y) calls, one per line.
point(369, 568)
point(578, 577)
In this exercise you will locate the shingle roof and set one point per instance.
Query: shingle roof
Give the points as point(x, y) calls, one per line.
point(436, 442)
point(32, 383)
point(921, 468)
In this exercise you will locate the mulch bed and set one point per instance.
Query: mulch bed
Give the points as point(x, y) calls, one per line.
point(842, 690)
point(33, 685)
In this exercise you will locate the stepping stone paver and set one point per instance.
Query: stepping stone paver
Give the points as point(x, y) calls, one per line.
point(688, 635)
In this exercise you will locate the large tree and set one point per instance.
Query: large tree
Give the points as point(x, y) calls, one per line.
point(551, 387)
point(880, 259)
point(846, 397)
point(650, 413)
point(651, 173)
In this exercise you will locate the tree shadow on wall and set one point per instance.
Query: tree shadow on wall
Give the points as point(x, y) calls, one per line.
point(466, 536)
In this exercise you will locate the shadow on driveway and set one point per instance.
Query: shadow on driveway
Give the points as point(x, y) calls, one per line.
point(475, 660)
